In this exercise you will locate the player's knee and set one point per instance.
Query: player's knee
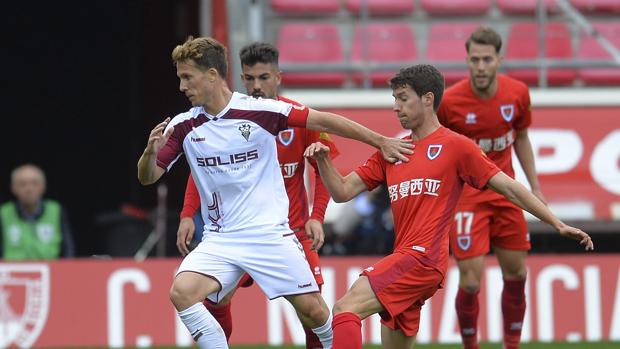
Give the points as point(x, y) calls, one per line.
point(180, 296)
point(340, 306)
point(470, 284)
point(515, 273)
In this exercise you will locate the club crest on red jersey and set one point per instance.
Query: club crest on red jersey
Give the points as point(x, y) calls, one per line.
point(508, 111)
point(433, 151)
point(24, 303)
point(286, 137)
point(464, 242)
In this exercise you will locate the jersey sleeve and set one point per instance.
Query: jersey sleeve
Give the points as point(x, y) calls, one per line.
point(474, 167)
point(297, 117)
point(372, 172)
point(525, 116)
point(173, 149)
point(191, 201)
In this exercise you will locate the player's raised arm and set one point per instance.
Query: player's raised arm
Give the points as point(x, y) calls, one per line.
point(341, 188)
point(393, 149)
point(148, 171)
point(519, 195)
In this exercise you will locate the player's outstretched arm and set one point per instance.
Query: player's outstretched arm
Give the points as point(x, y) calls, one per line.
point(341, 188)
point(148, 171)
point(393, 149)
point(518, 194)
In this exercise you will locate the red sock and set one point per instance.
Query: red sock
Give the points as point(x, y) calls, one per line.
point(222, 315)
point(347, 329)
point(467, 313)
point(312, 340)
point(513, 308)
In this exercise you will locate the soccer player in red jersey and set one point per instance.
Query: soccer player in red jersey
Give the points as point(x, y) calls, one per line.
point(423, 192)
point(261, 77)
point(494, 111)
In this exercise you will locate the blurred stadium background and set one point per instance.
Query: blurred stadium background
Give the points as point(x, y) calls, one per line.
point(86, 81)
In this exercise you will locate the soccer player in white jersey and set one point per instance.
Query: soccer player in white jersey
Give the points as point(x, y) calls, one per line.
point(228, 140)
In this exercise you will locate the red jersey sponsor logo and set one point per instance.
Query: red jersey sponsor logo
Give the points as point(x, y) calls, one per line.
point(414, 187)
point(286, 137)
point(288, 170)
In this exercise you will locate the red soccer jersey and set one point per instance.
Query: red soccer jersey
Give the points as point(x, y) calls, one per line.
point(424, 191)
point(291, 144)
point(491, 123)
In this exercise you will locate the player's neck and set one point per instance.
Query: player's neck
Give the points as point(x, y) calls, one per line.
point(218, 101)
point(429, 126)
point(486, 93)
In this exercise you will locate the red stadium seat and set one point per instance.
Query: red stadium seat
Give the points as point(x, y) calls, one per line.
point(589, 48)
point(446, 43)
point(522, 45)
point(597, 6)
point(305, 7)
point(455, 7)
point(383, 43)
point(311, 43)
point(382, 7)
point(525, 7)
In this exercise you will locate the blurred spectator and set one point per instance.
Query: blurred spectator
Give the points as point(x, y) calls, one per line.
point(32, 227)
point(365, 226)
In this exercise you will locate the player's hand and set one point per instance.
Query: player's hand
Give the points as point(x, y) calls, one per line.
point(395, 149)
point(185, 234)
point(317, 151)
point(157, 138)
point(537, 193)
point(579, 235)
point(314, 230)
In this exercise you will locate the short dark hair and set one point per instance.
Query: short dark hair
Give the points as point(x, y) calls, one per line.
point(206, 52)
point(259, 52)
point(422, 78)
point(485, 36)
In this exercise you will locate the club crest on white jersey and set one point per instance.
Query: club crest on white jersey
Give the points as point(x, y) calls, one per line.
point(507, 111)
point(286, 136)
point(24, 303)
point(245, 131)
point(433, 151)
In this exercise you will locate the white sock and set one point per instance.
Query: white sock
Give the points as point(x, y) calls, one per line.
point(325, 333)
point(203, 327)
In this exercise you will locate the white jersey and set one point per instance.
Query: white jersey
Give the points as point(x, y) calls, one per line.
point(234, 162)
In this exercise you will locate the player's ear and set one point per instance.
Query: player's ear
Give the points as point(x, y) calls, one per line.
point(428, 99)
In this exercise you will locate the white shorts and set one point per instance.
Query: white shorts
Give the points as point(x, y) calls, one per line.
point(277, 263)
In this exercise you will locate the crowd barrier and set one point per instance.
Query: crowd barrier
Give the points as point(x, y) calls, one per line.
point(118, 303)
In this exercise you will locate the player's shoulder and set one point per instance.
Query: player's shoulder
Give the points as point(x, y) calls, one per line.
point(289, 101)
point(511, 84)
point(244, 102)
point(190, 114)
point(460, 88)
point(452, 137)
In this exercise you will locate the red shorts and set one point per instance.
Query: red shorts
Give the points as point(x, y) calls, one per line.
point(477, 226)
point(311, 256)
point(401, 283)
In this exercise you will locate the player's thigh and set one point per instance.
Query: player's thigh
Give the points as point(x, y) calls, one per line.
point(310, 307)
point(512, 263)
point(189, 288)
point(214, 260)
point(279, 267)
point(360, 299)
point(313, 260)
point(395, 339)
point(470, 231)
point(509, 229)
